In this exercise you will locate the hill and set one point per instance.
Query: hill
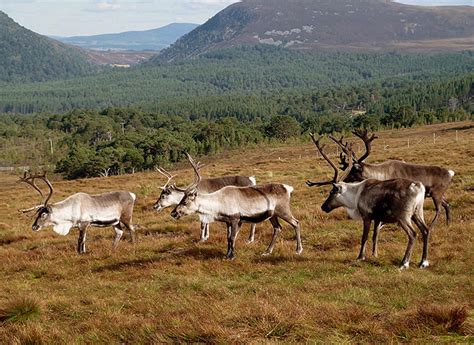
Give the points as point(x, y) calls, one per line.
point(27, 56)
point(168, 289)
point(155, 39)
point(243, 72)
point(373, 25)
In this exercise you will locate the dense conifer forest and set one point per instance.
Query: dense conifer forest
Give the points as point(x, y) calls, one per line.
point(224, 101)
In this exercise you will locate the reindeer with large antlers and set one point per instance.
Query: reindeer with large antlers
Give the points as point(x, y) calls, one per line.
point(391, 201)
point(171, 194)
point(435, 179)
point(236, 205)
point(82, 210)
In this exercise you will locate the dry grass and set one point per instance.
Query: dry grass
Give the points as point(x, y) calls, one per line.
point(167, 288)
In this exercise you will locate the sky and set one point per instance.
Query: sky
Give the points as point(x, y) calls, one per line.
point(90, 17)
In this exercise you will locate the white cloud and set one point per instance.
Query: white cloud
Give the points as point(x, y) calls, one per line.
point(104, 6)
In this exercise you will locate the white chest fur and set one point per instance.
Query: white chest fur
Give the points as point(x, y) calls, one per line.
point(353, 213)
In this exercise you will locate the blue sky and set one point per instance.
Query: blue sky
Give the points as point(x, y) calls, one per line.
point(87, 17)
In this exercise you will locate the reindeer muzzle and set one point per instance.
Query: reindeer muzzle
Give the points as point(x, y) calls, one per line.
point(326, 208)
point(175, 214)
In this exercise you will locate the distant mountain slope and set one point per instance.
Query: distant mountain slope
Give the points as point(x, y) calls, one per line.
point(155, 39)
point(27, 56)
point(331, 24)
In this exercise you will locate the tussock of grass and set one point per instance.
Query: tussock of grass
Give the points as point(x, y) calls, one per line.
point(442, 317)
point(20, 310)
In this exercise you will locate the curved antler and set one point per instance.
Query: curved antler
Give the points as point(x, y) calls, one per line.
point(336, 172)
point(29, 179)
point(166, 174)
point(347, 149)
point(362, 134)
point(197, 176)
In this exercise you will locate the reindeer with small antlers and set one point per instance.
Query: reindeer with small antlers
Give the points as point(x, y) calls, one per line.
point(82, 210)
point(435, 179)
point(171, 194)
point(235, 205)
point(391, 201)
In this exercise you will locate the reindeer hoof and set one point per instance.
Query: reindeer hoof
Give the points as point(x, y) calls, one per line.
point(299, 250)
point(249, 241)
point(424, 264)
point(405, 266)
point(229, 257)
point(360, 258)
point(266, 253)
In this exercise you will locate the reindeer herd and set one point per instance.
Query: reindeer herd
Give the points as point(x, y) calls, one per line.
point(389, 192)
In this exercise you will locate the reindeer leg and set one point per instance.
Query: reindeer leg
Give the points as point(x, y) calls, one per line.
point(276, 231)
point(118, 234)
point(206, 235)
point(377, 227)
point(437, 202)
point(425, 232)
point(288, 217)
point(203, 232)
point(365, 236)
point(81, 242)
point(447, 208)
point(131, 231)
point(406, 225)
point(232, 235)
point(251, 234)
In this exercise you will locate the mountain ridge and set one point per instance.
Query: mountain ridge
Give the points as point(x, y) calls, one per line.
point(363, 25)
point(153, 39)
point(28, 56)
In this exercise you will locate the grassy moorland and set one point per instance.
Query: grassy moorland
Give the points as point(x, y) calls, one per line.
point(168, 288)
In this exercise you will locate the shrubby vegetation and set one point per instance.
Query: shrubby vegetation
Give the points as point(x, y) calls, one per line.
point(124, 140)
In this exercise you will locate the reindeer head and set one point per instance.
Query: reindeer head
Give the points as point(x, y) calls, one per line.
point(356, 174)
point(334, 199)
point(44, 211)
point(170, 195)
point(188, 204)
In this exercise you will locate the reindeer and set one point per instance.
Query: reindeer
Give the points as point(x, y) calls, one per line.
point(435, 179)
point(390, 201)
point(236, 205)
point(171, 195)
point(82, 210)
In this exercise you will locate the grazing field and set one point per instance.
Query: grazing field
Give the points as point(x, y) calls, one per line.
point(168, 288)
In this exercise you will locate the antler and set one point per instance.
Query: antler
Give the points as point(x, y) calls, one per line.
point(342, 156)
point(166, 174)
point(197, 176)
point(347, 149)
point(30, 179)
point(362, 134)
point(320, 149)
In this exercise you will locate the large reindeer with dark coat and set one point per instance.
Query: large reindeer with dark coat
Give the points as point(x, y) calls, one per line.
point(391, 201)
point(435, 179)
point(236, 205)
point(82, 210)
point(171, 195)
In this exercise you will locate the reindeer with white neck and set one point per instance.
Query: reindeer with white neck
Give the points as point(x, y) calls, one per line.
point(171, 194)
point(390, 201)
point(236, 205)
point(82, 210)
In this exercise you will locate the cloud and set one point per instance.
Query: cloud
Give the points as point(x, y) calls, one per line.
point(104, 6)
